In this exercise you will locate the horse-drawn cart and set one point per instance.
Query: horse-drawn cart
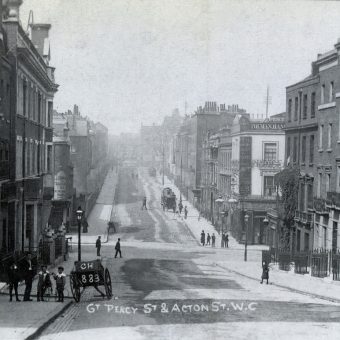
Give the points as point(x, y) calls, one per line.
point(168, 199)
point(90, 274)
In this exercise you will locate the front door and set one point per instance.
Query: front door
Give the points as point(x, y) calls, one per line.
point(335, 237)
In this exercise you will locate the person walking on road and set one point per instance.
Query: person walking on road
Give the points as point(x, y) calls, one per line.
point(202, 238)
point(144, 203)
point(180, 207)
point(208, 239)
point(98, 245)
point(28, 275)
point(185, 212)
point(222, 240)
point(226, 241)
point(265, 272)
point(213, 239)
point(13, 280)
point(117, 247)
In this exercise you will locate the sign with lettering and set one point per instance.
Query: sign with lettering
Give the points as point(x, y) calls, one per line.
point(245, 166)
point(267, 126)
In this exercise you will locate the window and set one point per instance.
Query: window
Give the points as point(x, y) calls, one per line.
point(320, 136)
point(329, 144)
point(49, 158)
point(312, 105)
point(289, 110)
point(328, 181)
point(303, 151)
point(295, 149)
point(288, 147)
point(269, 151)
point(304, 116)
point(269, 189)
point(322, 94)
point(331, 91)
point(49, 114)
point(319, 184)
point(24, 99)
point(311, 149)
point(296, 108)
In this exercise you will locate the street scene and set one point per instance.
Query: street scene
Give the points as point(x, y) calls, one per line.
point(169, 169)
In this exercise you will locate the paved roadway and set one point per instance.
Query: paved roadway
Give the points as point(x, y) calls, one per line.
point(166, 286)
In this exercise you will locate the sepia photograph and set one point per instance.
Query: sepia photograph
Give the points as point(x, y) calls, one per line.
point(169, 169)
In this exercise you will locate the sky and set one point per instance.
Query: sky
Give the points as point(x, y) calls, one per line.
point(131, 62)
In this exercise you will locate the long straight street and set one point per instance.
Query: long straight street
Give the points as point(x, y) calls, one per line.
point(168, 286)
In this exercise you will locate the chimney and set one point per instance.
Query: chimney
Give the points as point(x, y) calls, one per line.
point(12, 10)
point(39, 34)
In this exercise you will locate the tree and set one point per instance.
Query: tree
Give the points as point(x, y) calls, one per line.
point(287, 182)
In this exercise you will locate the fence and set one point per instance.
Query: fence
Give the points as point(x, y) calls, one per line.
point(318, 262)
point(336, 266)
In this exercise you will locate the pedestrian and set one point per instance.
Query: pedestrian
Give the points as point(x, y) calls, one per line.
point(144, 203)
point(203, 238)
point(265, 272)
point(185, 212)
point(13, 280)
point(117, 247)
point(226, 241)
point(60, 279)
point(28, 270)
point(208, 239)
point(98, 245)
point(213, 239)
point(180, 207)
point(222, 240)
point(44, 282)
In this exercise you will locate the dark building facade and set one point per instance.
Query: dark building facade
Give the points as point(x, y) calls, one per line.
point(30, 188)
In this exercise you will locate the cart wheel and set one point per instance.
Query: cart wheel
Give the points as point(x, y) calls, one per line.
point(107, 284)
point(75, 289)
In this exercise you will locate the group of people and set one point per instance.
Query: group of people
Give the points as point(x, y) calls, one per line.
point(206, 241)
point(180, 209)
point(27, 273)
point(117, 247)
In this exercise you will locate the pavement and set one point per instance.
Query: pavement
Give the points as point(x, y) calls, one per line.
point(167, 286)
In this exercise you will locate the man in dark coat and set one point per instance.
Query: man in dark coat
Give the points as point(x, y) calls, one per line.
point(44, 282)
point(117, 247)
point(13, 280)
point(29, 272)
point(222, 240)
point(144, 203)
point(226, 240)
point(265, 272)
point(202, 238)
point(98, 245)
point(180, 207)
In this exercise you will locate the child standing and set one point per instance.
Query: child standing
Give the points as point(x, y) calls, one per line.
point(60, 279)
point(265, 272)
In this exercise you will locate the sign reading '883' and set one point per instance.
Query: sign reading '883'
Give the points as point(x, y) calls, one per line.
point(90, 273)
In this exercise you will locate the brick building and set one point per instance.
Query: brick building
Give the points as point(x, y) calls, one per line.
point(7, 236)
point(312, 137)
point(30, 189)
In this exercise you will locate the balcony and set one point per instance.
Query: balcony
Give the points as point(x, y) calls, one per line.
point(303, 217)
point(333, 199)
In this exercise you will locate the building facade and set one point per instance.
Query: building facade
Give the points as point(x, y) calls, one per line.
point(258, 148)
point(30, 189)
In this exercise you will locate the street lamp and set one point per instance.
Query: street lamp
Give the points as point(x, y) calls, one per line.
point(79, 213)
point(246, 219)
point(219, 202)
point(266, 223)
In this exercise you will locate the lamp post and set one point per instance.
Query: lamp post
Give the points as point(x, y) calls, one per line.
point(266, 223)
point(219, 202)
point(246, 219)
point(79, 213)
